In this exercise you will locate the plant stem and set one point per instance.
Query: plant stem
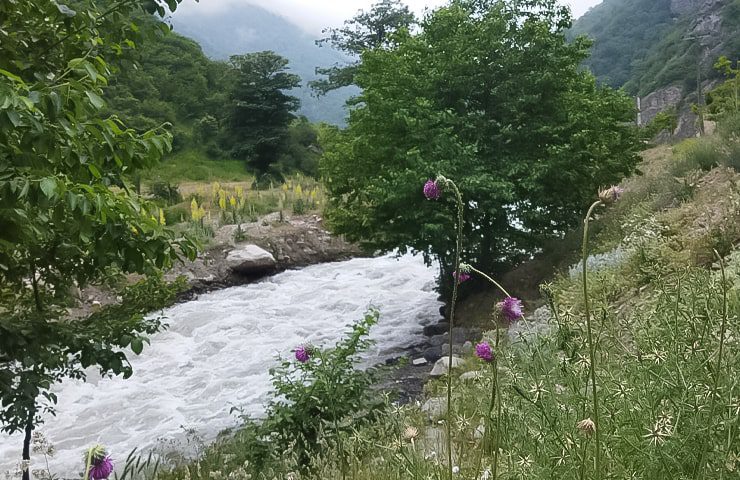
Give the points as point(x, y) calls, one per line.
point(698, 469)
point(497, 397)
point(456, 282)
point(86, 475)
point(591, 346)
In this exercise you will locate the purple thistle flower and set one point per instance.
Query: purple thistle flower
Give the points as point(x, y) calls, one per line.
point(101, 468)
point(511, 308)
point(432, 190)
point(611, 194)
point(484, 352)
point(303, 354)
point(461, 277)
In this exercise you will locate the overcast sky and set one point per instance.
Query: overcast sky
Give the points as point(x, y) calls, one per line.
point(313, 15)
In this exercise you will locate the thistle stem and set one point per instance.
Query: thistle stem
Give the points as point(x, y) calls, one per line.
point(591, 346)
point(456, 282)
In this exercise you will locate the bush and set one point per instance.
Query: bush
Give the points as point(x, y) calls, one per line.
point(703, 154)
point(165, 191)
point(326, 394)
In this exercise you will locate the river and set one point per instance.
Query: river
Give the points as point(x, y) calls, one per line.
point(217, 352)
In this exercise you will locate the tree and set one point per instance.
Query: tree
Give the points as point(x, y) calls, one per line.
point(490, 94)
point(365, 31)
point(261, 111)
point(67, 213)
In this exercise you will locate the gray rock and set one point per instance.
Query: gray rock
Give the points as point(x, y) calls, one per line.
point(435, 408)
point(250, 260)
point(443, 366)
point(419, 361)
point(467, 348)
point(438, 340)
point(433, 353)
point(436, 329)
point(463, 334)
point(456, 349)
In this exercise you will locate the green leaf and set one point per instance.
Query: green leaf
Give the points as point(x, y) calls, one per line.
point(137, 345)
point(94, 170)
point(49, 187)
point(95, 99)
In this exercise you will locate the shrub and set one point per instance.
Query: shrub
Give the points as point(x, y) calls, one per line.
point(703, 154)
point(165, 191)
point(326, 394)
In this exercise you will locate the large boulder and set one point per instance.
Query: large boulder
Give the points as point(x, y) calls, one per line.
point(250, 260)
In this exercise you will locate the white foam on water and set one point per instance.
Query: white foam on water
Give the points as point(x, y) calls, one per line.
point(217, 352)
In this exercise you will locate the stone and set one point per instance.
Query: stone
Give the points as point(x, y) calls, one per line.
point(433, 353)
point(467, 348)
point(419, 361)
point(250, 260)
point(456, 349)
point(436, 329)
point(438, 340)
point(443, 366)
point(435, 408)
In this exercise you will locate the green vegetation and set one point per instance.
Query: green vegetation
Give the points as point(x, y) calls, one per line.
point(623, 31)
point(642, 46)
point(664, 303)
point(217, 119)
point(259, 109)
point(529, 143)
point(61, 219)
point(365, 31)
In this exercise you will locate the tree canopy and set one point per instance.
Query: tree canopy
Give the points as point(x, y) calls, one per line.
point(67, 213)
point(365, 31)
point(490, 94)
point(260, 108)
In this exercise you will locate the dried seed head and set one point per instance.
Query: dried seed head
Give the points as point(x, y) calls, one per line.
point(587, 427)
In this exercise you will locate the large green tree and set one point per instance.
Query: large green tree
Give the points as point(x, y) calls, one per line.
point(490, 94)
point(365, 31)
point(260, 108)
point(67, 214)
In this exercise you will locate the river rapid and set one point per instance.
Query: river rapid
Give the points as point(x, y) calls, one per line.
point(216, 354)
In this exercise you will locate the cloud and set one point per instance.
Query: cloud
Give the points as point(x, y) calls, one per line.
point(315, 15)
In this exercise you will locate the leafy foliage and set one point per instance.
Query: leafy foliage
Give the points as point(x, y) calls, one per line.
point(67, 214)
point(531, 140)
point(326, 395)
point(365, 31)
point(643, 46)
point(260, 110)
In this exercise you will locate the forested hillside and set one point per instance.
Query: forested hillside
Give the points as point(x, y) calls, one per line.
point(644, 45)
point(249, 29)
point(170, 82)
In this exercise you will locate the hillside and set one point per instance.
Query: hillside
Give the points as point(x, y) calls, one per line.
point(251, 29)
point(652, 48)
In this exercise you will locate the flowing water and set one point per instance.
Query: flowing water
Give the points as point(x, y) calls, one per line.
point(217, 352)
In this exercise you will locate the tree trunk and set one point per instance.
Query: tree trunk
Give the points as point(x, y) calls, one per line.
point(27, 447)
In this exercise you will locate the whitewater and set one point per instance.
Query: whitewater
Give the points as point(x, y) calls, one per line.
point(218, 349)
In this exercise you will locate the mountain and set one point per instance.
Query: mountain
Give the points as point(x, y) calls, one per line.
point(250, 28)
point(655, 49)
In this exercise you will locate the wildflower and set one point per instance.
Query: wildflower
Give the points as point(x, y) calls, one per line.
point(432, 190)
point(587, 427)
point(511, 308)
point(303, 354)
point(101, 465)
point(455, 469)
point(461, 277)
point(410, 433)
point(611, 194)
point(484, 352)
